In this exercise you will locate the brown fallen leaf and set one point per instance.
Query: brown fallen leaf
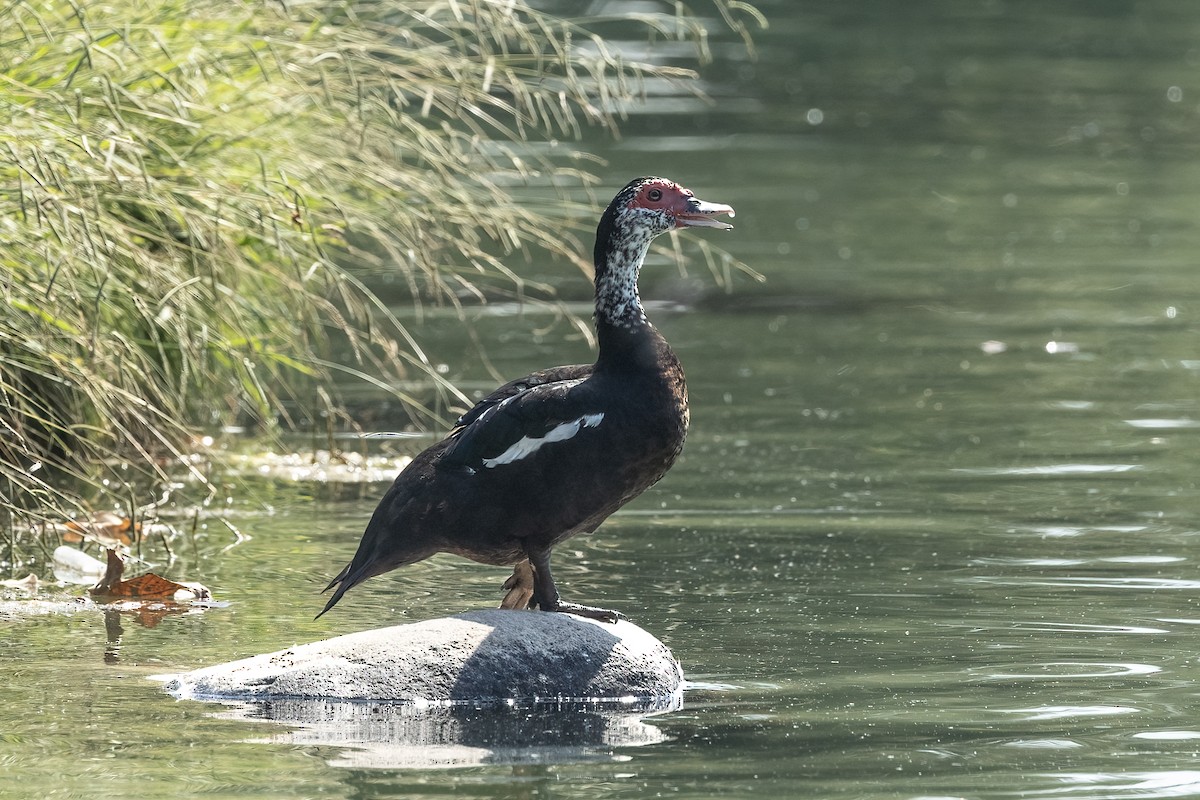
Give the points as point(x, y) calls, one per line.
point(144, 587)
point(104, 527)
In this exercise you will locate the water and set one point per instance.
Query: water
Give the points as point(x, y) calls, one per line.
point(934, 531)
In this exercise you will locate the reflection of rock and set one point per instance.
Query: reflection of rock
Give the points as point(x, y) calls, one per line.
point(481, 656)
point(435, 736)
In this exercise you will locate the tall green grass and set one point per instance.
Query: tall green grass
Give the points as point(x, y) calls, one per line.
point(190, 193)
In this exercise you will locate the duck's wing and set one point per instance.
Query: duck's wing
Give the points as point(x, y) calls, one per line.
point(574, 372)
point(520, 418)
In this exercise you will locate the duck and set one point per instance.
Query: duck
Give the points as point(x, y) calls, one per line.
point(553, 454)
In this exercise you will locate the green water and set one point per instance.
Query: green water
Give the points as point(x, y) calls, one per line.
point(936, 529)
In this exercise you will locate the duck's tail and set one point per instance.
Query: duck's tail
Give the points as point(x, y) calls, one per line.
point(343, 586)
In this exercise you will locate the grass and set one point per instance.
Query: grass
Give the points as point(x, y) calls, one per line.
point(192, 192)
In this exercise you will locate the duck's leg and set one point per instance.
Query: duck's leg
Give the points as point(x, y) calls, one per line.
point(519, 587)
point(545, 593)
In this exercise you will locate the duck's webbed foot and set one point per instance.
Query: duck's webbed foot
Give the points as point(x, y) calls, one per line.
point(591, 612)
point(545, 594)
point(519, 587)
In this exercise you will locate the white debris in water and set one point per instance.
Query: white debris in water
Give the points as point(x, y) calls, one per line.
point(320, 466)
point(72, 565)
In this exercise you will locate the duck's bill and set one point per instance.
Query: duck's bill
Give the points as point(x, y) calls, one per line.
point(702, 214)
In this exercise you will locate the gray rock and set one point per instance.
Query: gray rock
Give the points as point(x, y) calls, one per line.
point(481, 657)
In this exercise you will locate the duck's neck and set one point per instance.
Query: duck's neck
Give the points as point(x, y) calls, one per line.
point(628, 342)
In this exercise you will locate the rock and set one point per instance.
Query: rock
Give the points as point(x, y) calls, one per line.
point(479, 657)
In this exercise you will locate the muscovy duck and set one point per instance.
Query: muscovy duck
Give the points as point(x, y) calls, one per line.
point(552, 455)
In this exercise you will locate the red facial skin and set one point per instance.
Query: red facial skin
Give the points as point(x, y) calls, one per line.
point(680, 204)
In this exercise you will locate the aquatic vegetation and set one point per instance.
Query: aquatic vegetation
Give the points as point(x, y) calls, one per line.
point(193, 197)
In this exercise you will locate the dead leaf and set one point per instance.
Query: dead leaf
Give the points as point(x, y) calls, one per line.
point(144, 587)
point(104, 527)
point(27, 584)
point(112, 576)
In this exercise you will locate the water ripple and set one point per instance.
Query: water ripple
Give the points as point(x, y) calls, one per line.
point(1073, 582)
point(1005, 561)
point(1050, 469)
point(1043, 713)
point(1120, 785)
point(1060, 627)
point(1168, 736)
point(1056, 531)
point(1163, 424)
point(1061, 670)
point(1043, 744)
point(1016, 561)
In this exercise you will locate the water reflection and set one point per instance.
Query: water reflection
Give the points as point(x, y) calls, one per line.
point(392, 735)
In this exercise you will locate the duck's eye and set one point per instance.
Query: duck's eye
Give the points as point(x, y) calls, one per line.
point(654, 195)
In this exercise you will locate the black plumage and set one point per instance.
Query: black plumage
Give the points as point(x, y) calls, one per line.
point(553, 454)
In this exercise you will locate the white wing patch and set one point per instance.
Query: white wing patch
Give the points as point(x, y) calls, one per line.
point(528, 445)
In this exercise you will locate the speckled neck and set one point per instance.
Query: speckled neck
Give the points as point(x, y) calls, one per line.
point(629, 344)
point(618, 303)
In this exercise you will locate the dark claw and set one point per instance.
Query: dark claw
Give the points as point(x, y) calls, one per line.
point(591, 612)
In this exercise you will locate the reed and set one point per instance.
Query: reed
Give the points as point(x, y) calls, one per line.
point(192, 192)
